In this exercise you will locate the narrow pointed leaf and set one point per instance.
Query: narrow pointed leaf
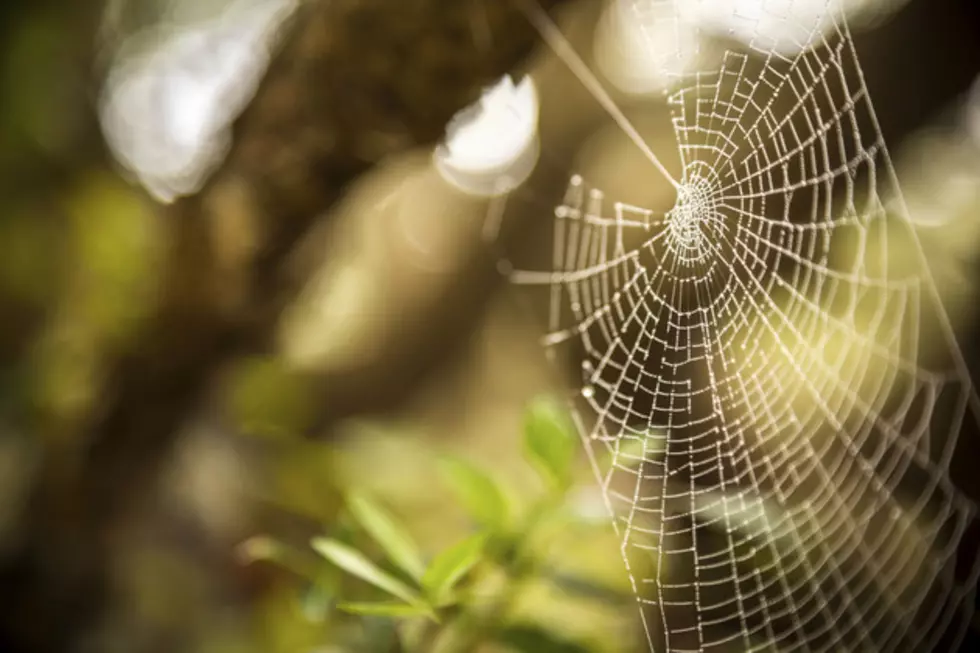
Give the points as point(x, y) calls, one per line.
point(393, 538)
point(549, 441)
point(477, 491)
point(394, 609)
point(451, 565)
point(354, 563)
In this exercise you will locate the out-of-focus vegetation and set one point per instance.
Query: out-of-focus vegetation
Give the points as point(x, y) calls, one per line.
point(426, 522)
point(490, 585)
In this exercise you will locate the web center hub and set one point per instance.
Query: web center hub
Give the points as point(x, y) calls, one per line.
point(693, 219)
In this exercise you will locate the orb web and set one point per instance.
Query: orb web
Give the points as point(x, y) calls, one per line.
point(767, 385)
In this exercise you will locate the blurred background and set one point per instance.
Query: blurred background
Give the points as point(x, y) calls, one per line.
point(402, 344)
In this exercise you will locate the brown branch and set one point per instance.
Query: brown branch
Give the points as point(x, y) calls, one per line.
point(357, 80)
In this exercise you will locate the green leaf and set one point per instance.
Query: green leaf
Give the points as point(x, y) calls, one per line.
point(451, 565)
point(477, 491)
point(395, 609)
point(549, 441)
point(354, 563)
point(534, 639)
point(393, 538)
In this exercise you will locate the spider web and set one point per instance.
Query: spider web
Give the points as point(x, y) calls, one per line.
point(769, 389)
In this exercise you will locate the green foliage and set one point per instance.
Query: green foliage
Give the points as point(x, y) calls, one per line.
point(387, 609)
point(550, 442)
point(477, 492)
point(392, 537)
point(355, 563)
point(462, 597)
point(450, 566)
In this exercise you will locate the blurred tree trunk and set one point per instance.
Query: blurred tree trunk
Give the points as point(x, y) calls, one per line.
point(356, 81)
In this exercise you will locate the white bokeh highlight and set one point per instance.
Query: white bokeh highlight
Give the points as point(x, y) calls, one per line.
point(780, 26)
point(641, 47)
point(644, 46)
point(173, 92)
point(491, 147)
